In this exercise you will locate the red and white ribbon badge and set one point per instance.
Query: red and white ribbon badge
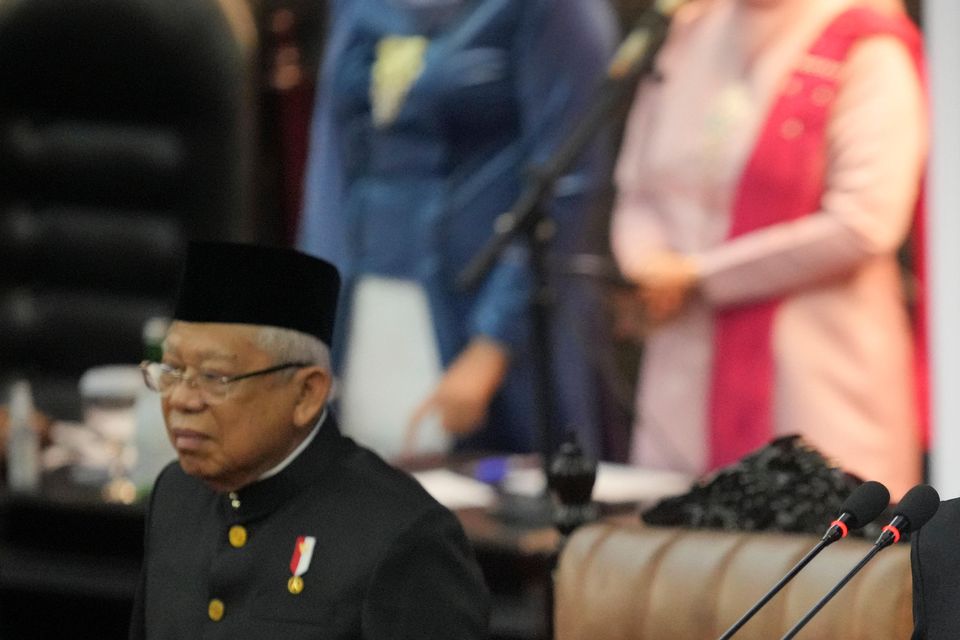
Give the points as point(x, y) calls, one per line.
point(302, 553)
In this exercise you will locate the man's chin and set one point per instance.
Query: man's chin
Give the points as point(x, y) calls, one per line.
point(192, 465)
point(196, 468)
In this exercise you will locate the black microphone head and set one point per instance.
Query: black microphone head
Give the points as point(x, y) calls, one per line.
point(917, 506)
point(865, 503)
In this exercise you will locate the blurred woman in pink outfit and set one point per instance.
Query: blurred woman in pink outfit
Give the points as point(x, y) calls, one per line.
point(770, 171)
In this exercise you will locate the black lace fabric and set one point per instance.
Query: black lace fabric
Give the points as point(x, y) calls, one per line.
point(785, 486)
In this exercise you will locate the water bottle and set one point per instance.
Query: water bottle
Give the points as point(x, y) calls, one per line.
point(23, 444)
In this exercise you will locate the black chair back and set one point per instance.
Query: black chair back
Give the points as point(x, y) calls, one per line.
point(124, 132)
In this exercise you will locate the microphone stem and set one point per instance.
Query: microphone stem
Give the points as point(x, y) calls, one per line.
point(775, 590)
point(825, 599)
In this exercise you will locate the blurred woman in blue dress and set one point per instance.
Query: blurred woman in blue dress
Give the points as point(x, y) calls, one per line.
point(429, 115)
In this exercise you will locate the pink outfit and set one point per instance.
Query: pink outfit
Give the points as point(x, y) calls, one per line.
point(840, 339)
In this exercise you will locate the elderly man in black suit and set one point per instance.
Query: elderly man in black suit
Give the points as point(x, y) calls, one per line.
point(271, 524)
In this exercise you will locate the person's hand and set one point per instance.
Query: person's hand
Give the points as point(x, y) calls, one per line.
point(666, 282)
point(464, 393)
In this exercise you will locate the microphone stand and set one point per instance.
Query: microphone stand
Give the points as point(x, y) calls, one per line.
point(804, 561)
point(527, 219)
point(825, 599)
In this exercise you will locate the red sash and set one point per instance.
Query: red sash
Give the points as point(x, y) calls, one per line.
point(783, 180)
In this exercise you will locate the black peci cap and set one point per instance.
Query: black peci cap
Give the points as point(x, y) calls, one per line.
point(251, 284)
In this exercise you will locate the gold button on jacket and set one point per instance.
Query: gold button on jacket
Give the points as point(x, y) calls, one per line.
point(215, 610)
point(238, 536)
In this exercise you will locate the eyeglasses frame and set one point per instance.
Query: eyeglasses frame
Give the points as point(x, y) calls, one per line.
point(224, 380)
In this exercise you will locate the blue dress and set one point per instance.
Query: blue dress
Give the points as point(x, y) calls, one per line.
point(415, 196)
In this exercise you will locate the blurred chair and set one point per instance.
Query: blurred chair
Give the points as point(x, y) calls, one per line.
point(634, 582)
point(125, 130)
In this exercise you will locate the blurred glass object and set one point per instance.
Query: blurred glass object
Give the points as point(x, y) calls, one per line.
point(23, 447)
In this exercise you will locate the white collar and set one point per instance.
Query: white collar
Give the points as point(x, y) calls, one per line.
point(296, 452)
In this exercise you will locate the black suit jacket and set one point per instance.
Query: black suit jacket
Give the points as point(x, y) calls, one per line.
point(389, 562)
point(935, 560)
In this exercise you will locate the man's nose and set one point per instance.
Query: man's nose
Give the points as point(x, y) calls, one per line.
point(186, 395)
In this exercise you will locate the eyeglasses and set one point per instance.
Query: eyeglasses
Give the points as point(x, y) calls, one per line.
point(163, 378)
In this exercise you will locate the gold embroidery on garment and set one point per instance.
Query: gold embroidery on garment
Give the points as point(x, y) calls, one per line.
point(399, 62)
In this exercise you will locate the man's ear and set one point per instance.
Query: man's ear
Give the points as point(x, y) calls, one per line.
point(314, 388)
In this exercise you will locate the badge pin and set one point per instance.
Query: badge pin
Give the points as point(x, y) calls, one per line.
point(295, 585)
point(300, 562)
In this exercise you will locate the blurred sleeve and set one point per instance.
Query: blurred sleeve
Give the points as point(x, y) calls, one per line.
point(877, 142)
point(562, 51)
point(636, 228)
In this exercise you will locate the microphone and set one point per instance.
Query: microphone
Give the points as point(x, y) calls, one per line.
point(914, 510)
point(865, 503)
point(637, 50)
